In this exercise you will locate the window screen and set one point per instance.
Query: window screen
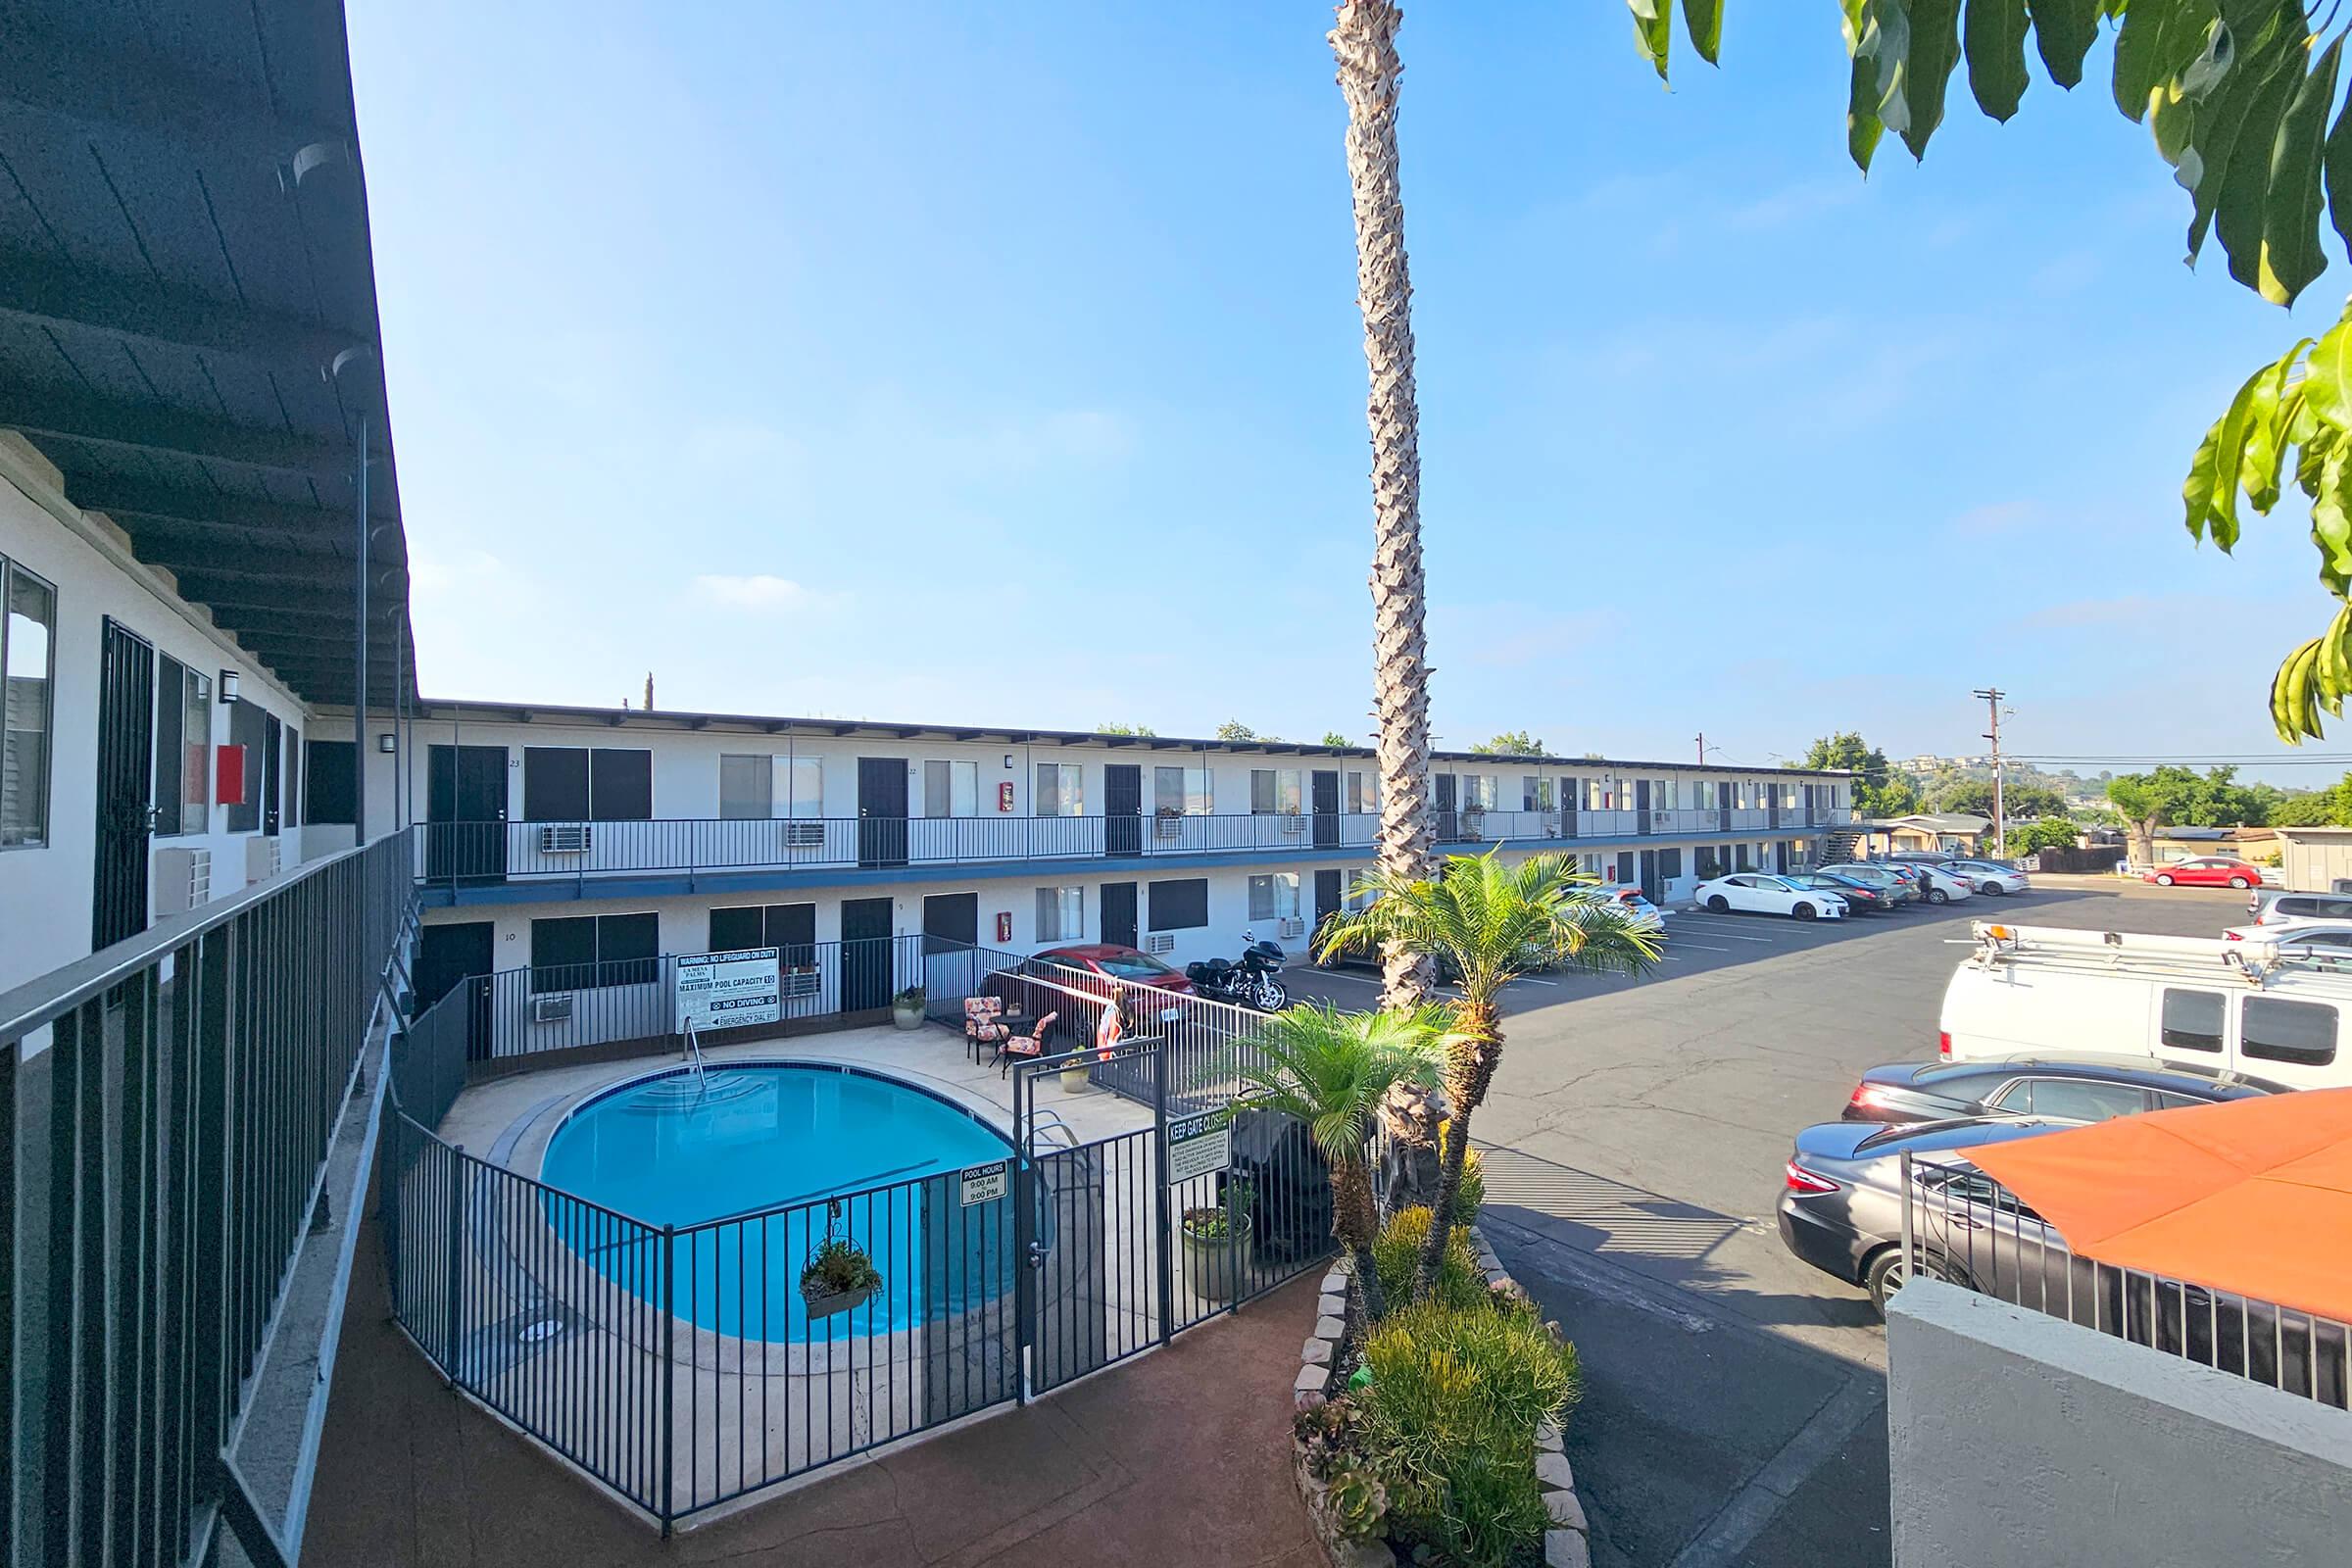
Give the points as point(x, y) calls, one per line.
point(575, 953)
point(1178, 905)
point(554, 783)
point(734, 930)
point(1060, 790)
point(950, 789)
point(247, 728)
point(620, 785)
point(180, 759)
point(2275, 1030)
point(790, 927)
point(1670, 864)
point(2192, 1019)
point(746, 788)
point(562, 953)
point(326, 784)
point(626, 949)
point(1061, 915)
point(1262, 898)
point(28, 671)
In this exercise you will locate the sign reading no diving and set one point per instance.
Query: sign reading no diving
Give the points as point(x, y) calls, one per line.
point(728, 990)
point(1198, 1146)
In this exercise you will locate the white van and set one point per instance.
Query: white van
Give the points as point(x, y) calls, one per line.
point(2244, 1006)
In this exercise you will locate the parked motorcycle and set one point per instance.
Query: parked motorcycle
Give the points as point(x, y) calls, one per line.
point(1253, 981)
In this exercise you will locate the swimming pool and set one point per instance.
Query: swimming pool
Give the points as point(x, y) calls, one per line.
point(746, 1166)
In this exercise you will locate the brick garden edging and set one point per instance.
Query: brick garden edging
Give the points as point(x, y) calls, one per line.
point(1564, 1543)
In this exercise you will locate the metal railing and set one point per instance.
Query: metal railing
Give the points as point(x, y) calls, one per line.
point(168, 1109)
point(478, 854)
point(1962, 1227)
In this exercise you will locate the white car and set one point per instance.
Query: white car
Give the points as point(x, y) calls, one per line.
point(1636, 903)
point(1941, 884)
point(1988, 877)
point(1762, 892)
point(2330, 937)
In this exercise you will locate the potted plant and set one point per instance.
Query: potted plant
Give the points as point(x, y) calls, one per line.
point(1074, 1070)
point(838, 1277)
point(906, 1008)
point(1216, 1247)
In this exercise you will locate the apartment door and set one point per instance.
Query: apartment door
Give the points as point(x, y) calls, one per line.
point(465, 813)
point(125, 742)
point(1448, 800)
point(464, 955)
point(1641, 805)
point(272, 742)
point(1118, 914)
point(866, 978)
point(1779, 857)
point(1327, 897)
point(1122, 808)
point(881, 813)
point(1652, 888)
point(1324, 799)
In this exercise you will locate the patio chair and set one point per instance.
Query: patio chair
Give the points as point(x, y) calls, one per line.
point(980, 1023)
point(1028, 1045)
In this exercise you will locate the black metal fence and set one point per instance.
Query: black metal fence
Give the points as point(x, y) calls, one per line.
point(1962, 1227)
point(682, 1366)
point(168, 1107)
point(461, 854)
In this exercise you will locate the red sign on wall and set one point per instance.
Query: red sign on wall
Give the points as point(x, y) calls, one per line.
point(228, 775)
point(1003, 925)
point(1005, 796)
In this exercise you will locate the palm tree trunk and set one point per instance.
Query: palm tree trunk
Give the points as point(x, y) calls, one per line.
point(1469, 1070)
point(1365, 45)
point(1356, 1221)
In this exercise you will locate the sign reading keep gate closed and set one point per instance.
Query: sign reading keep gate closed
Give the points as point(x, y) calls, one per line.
point(1198, 1146)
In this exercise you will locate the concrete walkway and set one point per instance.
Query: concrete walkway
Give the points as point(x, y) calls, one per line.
point(1180, 1456)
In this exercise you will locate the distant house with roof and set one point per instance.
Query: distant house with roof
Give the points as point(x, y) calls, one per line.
point(1925, 833)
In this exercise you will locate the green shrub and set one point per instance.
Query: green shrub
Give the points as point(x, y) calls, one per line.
point(1450, 1422)
point(1396, 1255)
point(1471, 1195)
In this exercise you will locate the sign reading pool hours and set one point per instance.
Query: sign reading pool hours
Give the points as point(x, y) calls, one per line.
point(984, 1184)
point(728, 990)
point(1198, 1146)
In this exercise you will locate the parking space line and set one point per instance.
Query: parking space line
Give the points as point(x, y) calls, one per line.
point(1703, 948)
point(1719, 931)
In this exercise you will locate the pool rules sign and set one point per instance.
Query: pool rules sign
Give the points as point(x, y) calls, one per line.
point(728, 990)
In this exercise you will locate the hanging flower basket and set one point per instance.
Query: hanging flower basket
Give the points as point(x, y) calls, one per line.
point(839, 1276)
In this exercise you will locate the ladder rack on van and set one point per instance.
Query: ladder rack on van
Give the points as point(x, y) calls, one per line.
point(2196, 957)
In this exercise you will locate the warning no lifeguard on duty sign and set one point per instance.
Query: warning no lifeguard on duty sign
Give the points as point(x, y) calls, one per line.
point(728, 990)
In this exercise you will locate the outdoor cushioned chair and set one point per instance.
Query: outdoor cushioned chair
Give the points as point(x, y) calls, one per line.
point(980, 1025)
point(1029, 1044)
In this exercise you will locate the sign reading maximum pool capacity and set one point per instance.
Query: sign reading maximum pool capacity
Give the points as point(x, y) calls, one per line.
point(1198, 1146)
point(728, 990)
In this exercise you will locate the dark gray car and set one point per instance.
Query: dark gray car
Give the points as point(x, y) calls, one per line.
point(2084, 1088)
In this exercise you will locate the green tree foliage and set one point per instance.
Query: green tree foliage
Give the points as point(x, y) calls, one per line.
point(2182, 797)
point(2045, 833)
point(1511, 743)
point(1332, 737)
point(1125, 729)
point(2328, 807)
point(1974, 797)
point(2241, 99)
point(1878, 790)
point(1233, 730)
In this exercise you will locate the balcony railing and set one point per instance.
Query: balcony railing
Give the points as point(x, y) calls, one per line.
point(462, 853)
point(184, 1127)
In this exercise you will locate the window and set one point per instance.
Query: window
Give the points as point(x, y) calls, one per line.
point(805, 786)
point(2301, 1032)
point(1364, 792)
point(1740, 860)
point(581, 952)
point(1060, 790)
point(1706, 794)
point(1180, 791)
point(1669, 865)
point(183, 765)
point(1274, 792)
point(1535, 792)
point(29, 666)
point(293, 776)
point(2315, 909)
point(1480, 792)
point(1177, 906)
point(2192, 1019)
point(2074, 1100)
point(249, 732)
point(950, 789)
point(789, 926)
point(746, 790)
point(1274, 897)
point(1591, 864)
point(584, 784)
point(328, 794)
point(1061, 915)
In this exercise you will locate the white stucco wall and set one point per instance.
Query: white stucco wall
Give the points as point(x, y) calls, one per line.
point(46, 891)
point(2019, 1438)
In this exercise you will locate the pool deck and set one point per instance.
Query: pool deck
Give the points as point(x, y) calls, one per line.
point(1179, 1456)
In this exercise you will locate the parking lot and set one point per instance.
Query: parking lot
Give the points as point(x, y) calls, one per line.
point(1733, 1397)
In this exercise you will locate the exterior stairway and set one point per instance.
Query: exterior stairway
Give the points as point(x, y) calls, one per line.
point(1836, 846)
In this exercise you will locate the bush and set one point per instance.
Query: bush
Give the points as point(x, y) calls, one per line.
point(1471, 1195)
point(1396, 1255)
point(1450, 1422)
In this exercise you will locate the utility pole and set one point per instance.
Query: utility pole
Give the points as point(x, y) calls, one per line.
point(1702, 748)
point(1992, 696)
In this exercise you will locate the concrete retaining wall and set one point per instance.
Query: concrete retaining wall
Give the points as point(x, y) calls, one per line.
point(2020, 1437)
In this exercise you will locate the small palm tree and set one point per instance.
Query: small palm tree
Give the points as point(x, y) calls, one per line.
point(1491, 924)
point(1331, 1070)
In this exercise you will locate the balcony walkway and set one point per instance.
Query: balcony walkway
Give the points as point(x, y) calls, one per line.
point(1180, 1456)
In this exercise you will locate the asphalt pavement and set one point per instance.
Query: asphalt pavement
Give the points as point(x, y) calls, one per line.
point(1734, 1399)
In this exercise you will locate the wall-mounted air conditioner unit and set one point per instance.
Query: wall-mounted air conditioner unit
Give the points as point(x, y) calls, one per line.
point(1167, 828)
point(1159, 942)
point(563, 838)
point(1291, 926)
point(183, 880)
point(1293, 824)
point(260, 859)
point(551, 1009)
point(805, 834)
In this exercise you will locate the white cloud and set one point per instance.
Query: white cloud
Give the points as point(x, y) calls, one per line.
point(1998, 517)
point(755, 591)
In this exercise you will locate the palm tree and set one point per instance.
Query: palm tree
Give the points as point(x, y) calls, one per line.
point(1493, 923)
point(1365, 45)
point(1331, 1070)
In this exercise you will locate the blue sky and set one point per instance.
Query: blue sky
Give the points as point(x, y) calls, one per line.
point(944, 363)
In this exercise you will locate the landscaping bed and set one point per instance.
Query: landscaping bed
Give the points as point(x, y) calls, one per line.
point(1433, 1436)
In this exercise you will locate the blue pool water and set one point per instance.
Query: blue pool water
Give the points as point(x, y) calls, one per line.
point(752, 1161)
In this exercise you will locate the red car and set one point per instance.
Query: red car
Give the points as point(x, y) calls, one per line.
point(1022, 988)
point(2206, 872)
point(1112, 962)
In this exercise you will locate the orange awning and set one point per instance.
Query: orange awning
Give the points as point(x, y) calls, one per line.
point(2249, 1196)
